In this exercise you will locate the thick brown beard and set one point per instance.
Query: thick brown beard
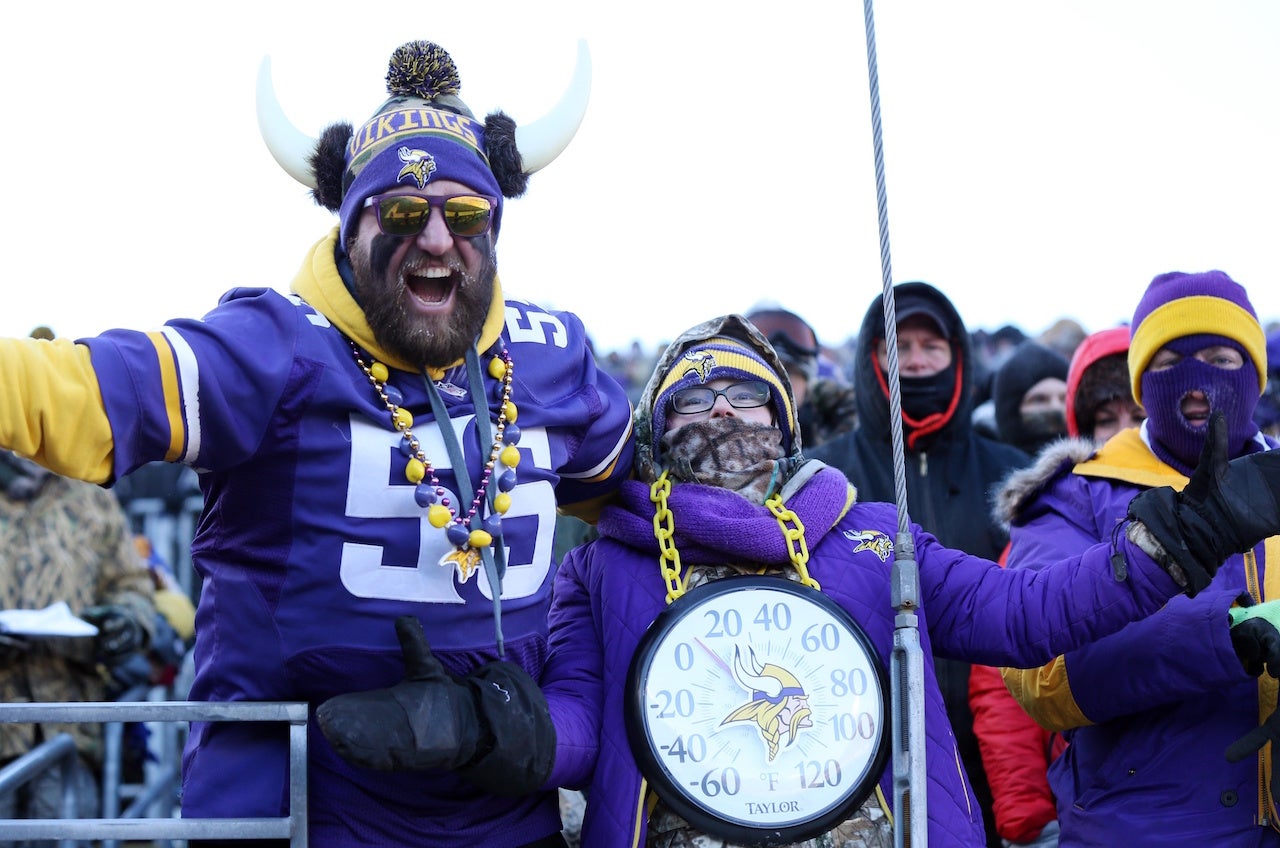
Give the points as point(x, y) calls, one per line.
point(422, 342)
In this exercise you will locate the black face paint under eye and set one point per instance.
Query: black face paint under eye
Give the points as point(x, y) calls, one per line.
point(381, 251)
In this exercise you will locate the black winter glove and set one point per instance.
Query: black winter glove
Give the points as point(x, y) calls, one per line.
point(492, 727)
point(1256, 640)
point(119, 634)
point(1226, 508)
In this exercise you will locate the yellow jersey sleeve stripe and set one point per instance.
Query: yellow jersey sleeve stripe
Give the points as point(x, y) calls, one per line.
point(180, 378)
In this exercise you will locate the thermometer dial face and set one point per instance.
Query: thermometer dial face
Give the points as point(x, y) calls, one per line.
point(756, 708)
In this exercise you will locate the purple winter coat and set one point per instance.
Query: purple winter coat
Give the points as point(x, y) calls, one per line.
point(1163, 698)
point(607, 592)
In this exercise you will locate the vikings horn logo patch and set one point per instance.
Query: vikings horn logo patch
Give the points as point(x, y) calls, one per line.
point(779, 706)
point(871, 540)
point(701, 363)
point(418, 164)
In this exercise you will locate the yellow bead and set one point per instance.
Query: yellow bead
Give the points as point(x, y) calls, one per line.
point(510, 456)
point(502, 503)
point(379, 372)
point(414, 471)
point(438, 515)
point(497, 368)
point(509, 409)
point(479, 539)
point(404, 418)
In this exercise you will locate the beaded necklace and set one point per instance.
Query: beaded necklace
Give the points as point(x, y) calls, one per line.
point(470, 543)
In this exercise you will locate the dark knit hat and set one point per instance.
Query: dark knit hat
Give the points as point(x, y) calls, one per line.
point(1029, 363)
point(1178, 304)
point(717, 358)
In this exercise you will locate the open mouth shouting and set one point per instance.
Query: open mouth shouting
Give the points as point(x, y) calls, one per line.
point(430, 286)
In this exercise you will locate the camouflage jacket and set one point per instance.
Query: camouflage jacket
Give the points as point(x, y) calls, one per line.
point(68, 541)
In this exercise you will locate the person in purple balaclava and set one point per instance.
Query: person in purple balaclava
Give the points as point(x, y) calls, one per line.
point(1162, 718)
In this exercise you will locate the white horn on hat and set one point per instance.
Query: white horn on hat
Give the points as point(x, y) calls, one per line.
point(291, 147)
point(539, 143)
point(543, 140)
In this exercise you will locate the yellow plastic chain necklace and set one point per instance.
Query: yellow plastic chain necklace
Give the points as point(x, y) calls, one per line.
point(669, 558)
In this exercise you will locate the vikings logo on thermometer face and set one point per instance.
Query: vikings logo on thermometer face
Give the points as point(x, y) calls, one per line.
point(756, 708)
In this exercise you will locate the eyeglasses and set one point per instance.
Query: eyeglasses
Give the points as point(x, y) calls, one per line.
point(746, 395)
point(406, 215)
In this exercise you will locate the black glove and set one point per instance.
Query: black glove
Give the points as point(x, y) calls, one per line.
point(119, 633)
point(1226, 508)
point(1256, 640)
point(1255, 635)
point(492, 726)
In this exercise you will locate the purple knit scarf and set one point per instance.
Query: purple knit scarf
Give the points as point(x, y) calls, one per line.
point(715, 525)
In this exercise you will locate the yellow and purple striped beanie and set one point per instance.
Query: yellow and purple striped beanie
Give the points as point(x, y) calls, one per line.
point(717, 358)
point(1178, 304)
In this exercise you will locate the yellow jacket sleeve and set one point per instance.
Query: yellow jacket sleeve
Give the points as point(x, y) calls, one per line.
point(52, 409)
point(1045, 694)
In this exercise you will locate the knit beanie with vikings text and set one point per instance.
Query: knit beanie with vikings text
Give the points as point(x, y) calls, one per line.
point(1187, 313)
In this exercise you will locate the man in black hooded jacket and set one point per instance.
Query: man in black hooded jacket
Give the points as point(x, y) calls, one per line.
point(951, 470)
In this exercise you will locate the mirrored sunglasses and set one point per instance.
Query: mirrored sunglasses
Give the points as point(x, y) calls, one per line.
point(406, 215)
point(745, 395)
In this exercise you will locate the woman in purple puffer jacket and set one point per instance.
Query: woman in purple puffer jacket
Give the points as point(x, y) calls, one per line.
point(722, 490)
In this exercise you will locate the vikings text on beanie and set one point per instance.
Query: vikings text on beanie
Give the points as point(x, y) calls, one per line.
point(720, 358)
point(1178, 304)
point(410, 141)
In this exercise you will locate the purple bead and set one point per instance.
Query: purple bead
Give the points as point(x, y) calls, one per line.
point(393, 394)
point(511, 434)
point(507, 481)
point(457, 534)
point(424, 494)
point(406, 448)
point(493, 525)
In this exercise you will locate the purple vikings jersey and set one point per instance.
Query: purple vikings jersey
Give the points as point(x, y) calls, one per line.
point(311, 543)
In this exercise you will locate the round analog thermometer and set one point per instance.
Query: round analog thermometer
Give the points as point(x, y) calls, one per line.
point(756, 708)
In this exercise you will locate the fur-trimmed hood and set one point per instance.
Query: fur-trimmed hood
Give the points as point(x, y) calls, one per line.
point(1024, 485)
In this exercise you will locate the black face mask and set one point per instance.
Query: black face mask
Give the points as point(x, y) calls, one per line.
point(1044, 426)
point(925, 396)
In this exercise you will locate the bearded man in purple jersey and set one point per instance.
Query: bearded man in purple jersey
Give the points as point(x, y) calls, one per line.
point(360, 458)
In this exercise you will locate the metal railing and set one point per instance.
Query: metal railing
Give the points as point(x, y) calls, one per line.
point(55, 753)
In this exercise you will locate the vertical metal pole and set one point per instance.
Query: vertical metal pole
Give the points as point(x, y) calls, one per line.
point(910, 779)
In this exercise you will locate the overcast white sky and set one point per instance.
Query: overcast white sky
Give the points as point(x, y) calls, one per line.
point(1043, 159)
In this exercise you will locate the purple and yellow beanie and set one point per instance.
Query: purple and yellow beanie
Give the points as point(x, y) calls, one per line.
point(723, 358)
point(1178, 304)
point(409, 141)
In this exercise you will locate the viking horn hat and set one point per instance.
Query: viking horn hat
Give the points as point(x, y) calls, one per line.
point(431, 81)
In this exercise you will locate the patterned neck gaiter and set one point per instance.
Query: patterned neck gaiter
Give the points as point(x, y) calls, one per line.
point(729, 453)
